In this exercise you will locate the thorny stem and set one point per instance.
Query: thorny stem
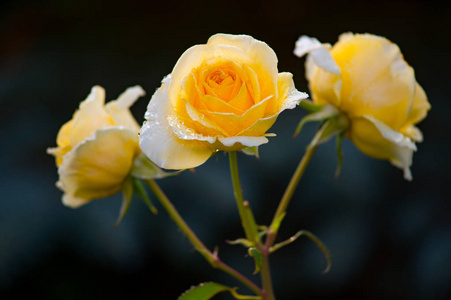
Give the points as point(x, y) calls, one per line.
point(297, 175)
point(211, 257)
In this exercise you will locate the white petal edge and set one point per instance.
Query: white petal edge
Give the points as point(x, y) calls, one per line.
point(318, 52)
point(158, 141)
point(404, 147)
point(129, 97)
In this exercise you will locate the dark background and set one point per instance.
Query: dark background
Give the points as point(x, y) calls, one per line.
point(389, 239)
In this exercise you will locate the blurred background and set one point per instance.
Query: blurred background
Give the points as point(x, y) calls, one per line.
point(389, 238)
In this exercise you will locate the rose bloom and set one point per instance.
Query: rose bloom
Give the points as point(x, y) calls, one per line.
point(223, 95)
point(366, 78)
point(97, 147)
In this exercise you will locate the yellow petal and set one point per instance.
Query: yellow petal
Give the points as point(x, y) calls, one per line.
point(217, 105)
point(158, 141)
point(97, 167)
point(375, 79)
point(258, 51)
point(233, 124)
point(242, 101)
point(376, 139)
point(90, 117)
point(420, 106)
point(119, 109)
point(193, 58)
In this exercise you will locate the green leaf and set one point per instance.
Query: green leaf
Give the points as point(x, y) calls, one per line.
point(141, 191)
point(204, 291)
point(258, 258)
point(127, 195)
point(246, 243)
point(324, 113)
point(143, 168)
point(252, 151)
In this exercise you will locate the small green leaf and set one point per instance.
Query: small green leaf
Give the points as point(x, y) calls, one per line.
point(246, 243)
point(127, 195)
point(252, 151)
point(276, 223)
point(141, 191)
point(258, 258)
point(204, 291)
point(143, 168)
point(326, 112)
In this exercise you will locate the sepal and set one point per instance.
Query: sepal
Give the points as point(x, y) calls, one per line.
point(323, 113)
point(143, 168)
point(251, 151)
point(127, 195)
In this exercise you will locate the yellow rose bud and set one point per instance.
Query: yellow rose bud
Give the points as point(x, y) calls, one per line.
point(366, 78)
point(223, 95)
point(97, 147)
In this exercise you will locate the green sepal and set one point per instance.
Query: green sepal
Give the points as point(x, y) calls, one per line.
point(143, 168)
point(331, 127)
point(127, 195)
point(258, 258)
point(310, 106)
point(251, 151)
point(325, 112)
point(204, 291)
point(142, 193)
point(313, 238)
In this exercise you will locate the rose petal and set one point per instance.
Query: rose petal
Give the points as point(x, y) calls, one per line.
point(233, 124)
point(90, 117)
point(376, 79)
point(119, 109)
point(158, 141)
point(318, 52)
point(376, 139)
point(97, 167)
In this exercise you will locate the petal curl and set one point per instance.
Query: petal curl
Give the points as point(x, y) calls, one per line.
point(376, 139)
point(158, 141)
point(318, 52)
point(420, 106)
point(119, 108)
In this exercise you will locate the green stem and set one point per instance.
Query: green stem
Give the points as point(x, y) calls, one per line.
point(247, 219)
point(250, 228)
point(212, 258)
point(273, 229)
point(265, 272)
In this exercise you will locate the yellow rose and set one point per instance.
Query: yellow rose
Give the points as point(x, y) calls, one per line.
point(366, 78)
point(223, 95)
point(97, 147)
